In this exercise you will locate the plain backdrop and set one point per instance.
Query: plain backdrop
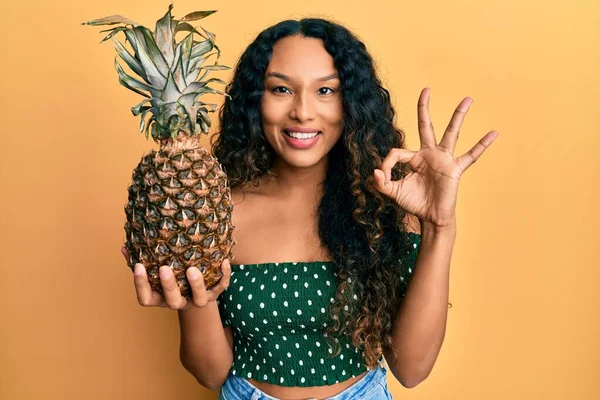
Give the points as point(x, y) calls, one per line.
point(524, 276)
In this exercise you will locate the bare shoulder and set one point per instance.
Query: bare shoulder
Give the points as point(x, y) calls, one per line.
point(412, 224)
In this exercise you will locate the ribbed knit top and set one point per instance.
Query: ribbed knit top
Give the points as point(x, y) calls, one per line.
point(279, 314)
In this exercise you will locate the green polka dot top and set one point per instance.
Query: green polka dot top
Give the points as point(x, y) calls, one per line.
point(278, 313)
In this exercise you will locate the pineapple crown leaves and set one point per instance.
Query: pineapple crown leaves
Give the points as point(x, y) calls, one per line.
point(172, 73)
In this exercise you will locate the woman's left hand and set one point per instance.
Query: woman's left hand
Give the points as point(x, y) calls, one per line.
point(429, 192)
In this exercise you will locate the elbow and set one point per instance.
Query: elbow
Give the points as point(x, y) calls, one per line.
point(212, 388)
point(204, 381)
point(208, 384)
point(411, 382)
point(409, 379)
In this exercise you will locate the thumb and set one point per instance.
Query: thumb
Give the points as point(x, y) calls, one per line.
point(381, 184)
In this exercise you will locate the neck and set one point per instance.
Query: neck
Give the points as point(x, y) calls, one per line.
point(298, 182)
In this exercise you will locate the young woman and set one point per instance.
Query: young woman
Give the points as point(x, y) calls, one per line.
point(333, 218)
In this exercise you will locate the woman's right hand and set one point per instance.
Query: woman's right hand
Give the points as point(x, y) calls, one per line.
point(172, 296)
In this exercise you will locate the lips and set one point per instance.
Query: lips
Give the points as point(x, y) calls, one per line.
point(287, 132)
point(301, 143)
point(300, 129)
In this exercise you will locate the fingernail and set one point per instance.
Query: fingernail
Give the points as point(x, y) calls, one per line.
point(138, 270)
point(194, 273)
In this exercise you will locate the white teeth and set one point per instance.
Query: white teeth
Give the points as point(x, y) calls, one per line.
point(304, 136)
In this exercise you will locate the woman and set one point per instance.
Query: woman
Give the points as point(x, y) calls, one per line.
point(332, 217)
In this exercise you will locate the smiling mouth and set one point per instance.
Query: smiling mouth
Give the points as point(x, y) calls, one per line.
point(301, 136)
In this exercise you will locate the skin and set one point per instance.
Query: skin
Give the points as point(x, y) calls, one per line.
point(276, 221)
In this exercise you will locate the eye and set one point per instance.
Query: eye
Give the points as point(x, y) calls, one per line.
point(326, 88)
point(276, 89)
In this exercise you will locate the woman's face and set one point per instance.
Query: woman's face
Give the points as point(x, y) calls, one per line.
point(301, 98)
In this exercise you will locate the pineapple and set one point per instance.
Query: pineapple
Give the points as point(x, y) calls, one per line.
point(179, 204)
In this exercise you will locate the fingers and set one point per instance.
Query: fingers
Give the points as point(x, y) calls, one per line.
point(196, 280)
point(201, 295)
point(469, 158)
point(224, 281)
point(146, 297)
point(395, 156)
point(450, 137)
point(426, 133)
point(389, 189)
point(171, 291)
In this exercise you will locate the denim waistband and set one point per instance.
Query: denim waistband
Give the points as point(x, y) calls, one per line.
point(238, 388)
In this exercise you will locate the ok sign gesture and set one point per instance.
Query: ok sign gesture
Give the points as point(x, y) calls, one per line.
point(430, 190)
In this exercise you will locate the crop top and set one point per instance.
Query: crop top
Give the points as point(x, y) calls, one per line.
point(279, 312)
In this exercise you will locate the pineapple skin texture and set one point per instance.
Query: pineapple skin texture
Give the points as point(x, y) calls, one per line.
point(179, 213)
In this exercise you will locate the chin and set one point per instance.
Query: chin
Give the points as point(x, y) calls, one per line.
point(302, 161)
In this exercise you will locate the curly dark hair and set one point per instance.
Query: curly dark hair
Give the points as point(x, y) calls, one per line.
point(364, 230)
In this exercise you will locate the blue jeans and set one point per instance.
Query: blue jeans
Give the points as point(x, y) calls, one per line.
point(372, 386)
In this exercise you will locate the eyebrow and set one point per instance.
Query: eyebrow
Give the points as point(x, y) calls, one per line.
point(287, 78)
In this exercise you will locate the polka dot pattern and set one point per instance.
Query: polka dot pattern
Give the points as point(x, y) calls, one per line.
point(278, 313)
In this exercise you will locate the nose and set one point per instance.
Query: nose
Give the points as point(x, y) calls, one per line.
point(303, 108)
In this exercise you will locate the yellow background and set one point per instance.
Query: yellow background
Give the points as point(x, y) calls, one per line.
point(525, 322)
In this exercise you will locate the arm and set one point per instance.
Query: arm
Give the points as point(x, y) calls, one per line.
point(206, 348)
point(420, 324)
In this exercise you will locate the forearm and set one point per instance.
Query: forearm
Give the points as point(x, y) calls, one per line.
point(204, 350)
point(420, 325)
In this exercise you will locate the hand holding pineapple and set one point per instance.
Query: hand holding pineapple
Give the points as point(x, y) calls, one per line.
point(172, 294)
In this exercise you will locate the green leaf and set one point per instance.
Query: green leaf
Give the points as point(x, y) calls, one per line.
point(217, 80)
point(215, 91)
point(113, 32)
point(129, 59)
point(188, 101)
point(215, 67)
point(198, 86)
point(200, 79)
point(201, 48)
point(154, 52)
point(211, 36)
point(171, 92)
point(131, 38)
point(213, 107)
point(154, 131)
point(142, 122)
point(147, 55)
point(178, 75)
point(184, 26)
point(137, 109)
point(197, 64)
point(164, 36)
point(132, 84)
point(196, 15)
point(195, 87)
point(185, 47)
point(110, 20)
point(191, 76)
point(152, 119)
